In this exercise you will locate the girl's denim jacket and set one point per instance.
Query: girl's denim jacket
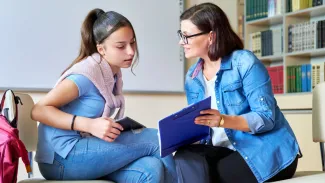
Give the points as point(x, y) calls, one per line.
point(243, 88)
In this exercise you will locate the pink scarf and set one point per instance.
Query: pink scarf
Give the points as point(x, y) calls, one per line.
point(100, 73)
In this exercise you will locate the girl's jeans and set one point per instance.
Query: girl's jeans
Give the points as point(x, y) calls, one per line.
point(132, 157)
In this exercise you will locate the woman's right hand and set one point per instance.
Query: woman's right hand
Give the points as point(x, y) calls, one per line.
point(105, 128)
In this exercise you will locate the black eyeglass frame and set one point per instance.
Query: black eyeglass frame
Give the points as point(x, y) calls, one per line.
point(184, 38)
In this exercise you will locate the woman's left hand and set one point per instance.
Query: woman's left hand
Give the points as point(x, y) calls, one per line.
point(210, 117)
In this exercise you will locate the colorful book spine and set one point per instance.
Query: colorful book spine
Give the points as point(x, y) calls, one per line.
point(308, 69)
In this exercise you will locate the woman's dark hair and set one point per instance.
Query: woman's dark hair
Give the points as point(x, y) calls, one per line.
point(97, 26)
point(209, 17)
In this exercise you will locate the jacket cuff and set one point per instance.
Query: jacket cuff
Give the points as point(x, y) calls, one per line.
point(255, 122)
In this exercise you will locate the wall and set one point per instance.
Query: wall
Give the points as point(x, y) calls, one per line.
point(149, 108)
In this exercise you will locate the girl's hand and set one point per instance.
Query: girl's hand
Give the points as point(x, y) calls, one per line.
point(105, 128)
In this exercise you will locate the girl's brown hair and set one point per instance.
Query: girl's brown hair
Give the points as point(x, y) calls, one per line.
point(97, 26)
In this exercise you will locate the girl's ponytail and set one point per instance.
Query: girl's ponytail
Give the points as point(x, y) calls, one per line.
point(88, 44)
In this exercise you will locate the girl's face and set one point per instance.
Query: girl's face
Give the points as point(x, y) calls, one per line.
point(197, 46)
point(119, 48)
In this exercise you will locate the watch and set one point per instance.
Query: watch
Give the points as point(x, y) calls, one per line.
point(221, 122)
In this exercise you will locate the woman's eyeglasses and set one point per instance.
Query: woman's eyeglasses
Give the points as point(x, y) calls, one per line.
point(184, 38)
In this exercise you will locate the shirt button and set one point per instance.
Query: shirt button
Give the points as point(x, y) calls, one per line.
point(246, 157)
point(262, 99)
point(234, 143)
point(218, 101)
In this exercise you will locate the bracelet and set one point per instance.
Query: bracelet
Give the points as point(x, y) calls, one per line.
point(72, 123)
point(221, 122)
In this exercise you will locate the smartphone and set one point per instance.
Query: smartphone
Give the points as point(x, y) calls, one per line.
point(129, 124)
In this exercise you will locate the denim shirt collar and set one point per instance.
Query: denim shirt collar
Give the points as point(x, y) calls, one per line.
point(225, 65)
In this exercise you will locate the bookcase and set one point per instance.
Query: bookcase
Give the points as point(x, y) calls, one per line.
point(295, 44)
point(286, 41)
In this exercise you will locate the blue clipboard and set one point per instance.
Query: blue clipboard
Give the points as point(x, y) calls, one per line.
point(179, 128)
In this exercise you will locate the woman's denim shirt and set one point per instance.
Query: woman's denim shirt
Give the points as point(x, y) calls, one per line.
point(243, 88)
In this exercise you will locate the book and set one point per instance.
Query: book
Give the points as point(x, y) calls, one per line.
point(130, 124)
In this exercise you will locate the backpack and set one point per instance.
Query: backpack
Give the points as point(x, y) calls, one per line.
point(11, 147)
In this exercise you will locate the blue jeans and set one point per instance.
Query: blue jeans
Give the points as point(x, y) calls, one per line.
point(132, 157)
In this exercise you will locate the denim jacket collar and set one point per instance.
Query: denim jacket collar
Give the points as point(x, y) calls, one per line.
point(225, 65)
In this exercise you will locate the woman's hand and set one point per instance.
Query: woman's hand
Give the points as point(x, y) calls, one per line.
point(105, 128)
point(210, 117)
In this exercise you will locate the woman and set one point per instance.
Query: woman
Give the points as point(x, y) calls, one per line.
point(77, 137)
point(251, 139)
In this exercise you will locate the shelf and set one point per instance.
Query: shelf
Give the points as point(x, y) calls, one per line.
point(292, 101)
point(295, 94)
point(288, 101)
point(278, 19)
point(271, 58)
point(308, 53)
point(309, 12)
